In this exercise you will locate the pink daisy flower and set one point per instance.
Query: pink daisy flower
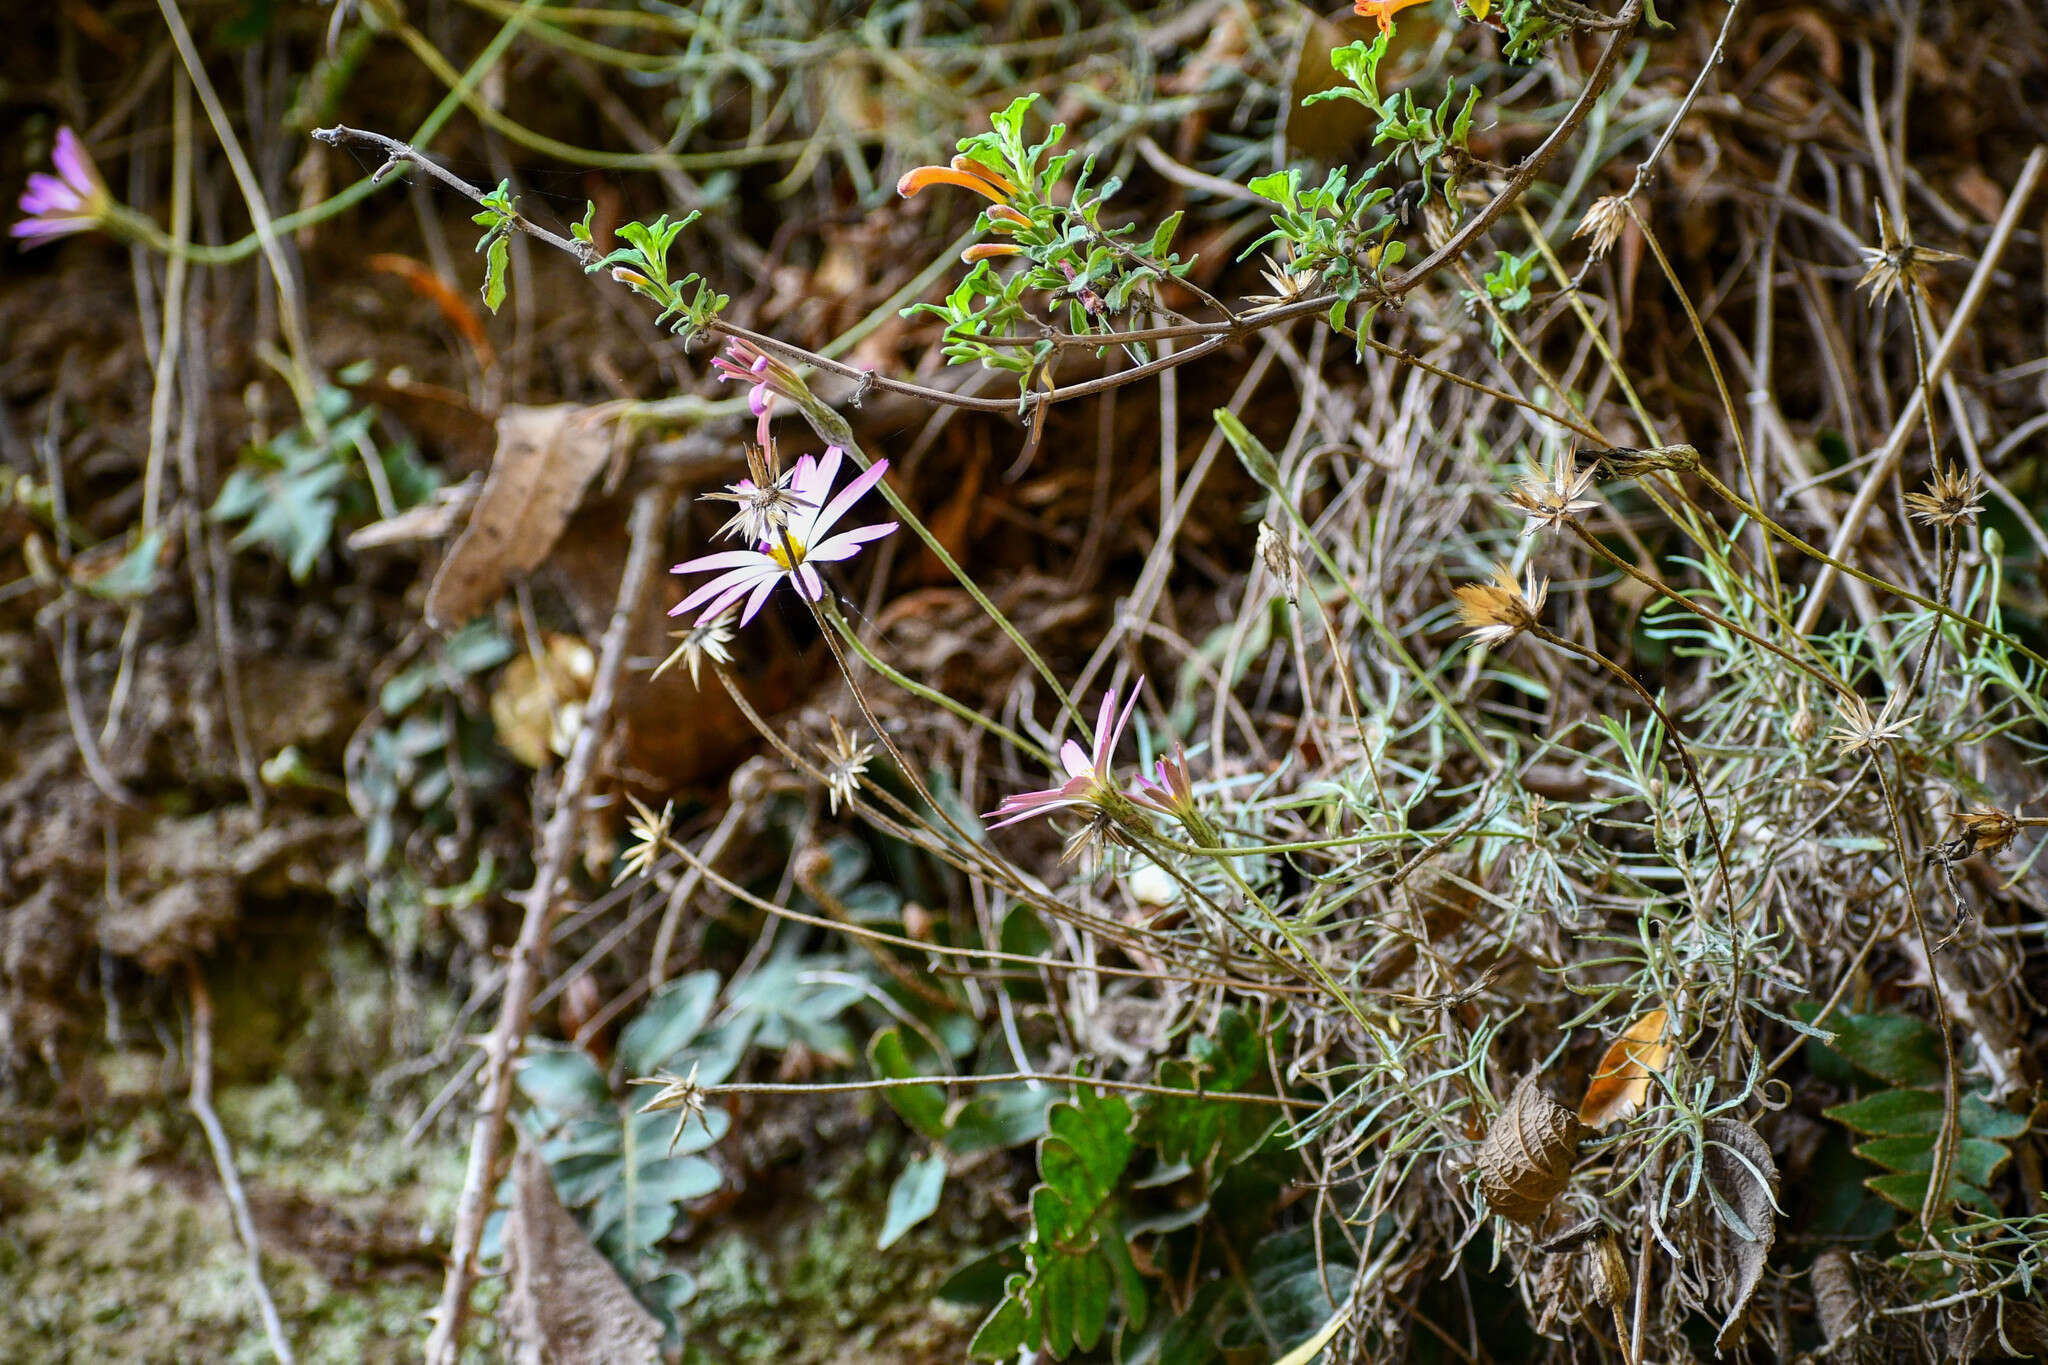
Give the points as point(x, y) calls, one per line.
point(1087, 774)
point(72, 200)
point(803, 542)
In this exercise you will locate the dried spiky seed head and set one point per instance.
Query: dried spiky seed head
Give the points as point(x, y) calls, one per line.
point(1551, 500)
point(1495, 613)
point(1895, 263)
point(1525, 1159)
point(1952, 498)
point(1803, 724)
point(1438, 222)
point(1603, 222)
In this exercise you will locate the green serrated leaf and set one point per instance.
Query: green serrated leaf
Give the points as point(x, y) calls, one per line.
point(1896, 1048)
point(1977, 1161)
point(1003, 1333)
point(1916, 1113)
point(1909, 1192)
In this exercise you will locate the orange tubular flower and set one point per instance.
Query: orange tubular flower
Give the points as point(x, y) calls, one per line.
point(1382, 10)
point(988, 251)
point(965, 173)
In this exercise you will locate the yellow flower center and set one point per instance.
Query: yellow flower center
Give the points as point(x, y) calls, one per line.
point(787, 550)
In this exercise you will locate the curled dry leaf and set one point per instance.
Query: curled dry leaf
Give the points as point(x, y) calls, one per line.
point(1838, 1303)
point(1526, 1156)
point(1742, 1182)
point(545, 459)
point(1622, 1080)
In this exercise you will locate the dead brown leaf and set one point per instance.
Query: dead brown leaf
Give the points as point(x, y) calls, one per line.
point(1622, 1080)
point(546, 457)
point(565, 1304)
point(1526, 1158)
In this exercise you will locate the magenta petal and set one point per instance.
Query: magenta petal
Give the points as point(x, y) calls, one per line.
point(48, 229)
point(847, 544)
point(739, 580)
point(848, 495)
point(47, 192)
point(1137, 688)
point(74, 163)
point(760, 596)
point(722, 559)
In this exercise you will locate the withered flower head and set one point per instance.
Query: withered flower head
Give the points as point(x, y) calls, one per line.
point(1860, 731)
point(765, 500)
point(706, 640)
point(680, 1093)
point(1951, 499)
point(1985, 830)
point(1550, 501)
point(1495, 613)
point(1280, 562)
point(648, 833)
point(846, 761)
point(1287, 284)
point(1627, 462)
point(1895, 263)
point(1603, 222)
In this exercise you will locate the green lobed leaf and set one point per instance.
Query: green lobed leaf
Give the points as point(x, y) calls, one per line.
point(1895, 1048)
point(1911, 1113)
point(566, 1082)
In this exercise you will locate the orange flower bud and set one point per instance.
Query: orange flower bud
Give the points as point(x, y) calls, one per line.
point(986, 251)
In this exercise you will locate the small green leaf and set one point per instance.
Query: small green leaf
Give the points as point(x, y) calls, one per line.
point(669, 1023)
point(1258, 461)
point(134, 576)
point(496, 258)
point(567, 1082)
point(923, 1107)
point(913, 1197)
point(1162, 238)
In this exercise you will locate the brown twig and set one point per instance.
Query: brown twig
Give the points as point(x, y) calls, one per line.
point(224, 1159)
point(558, 845)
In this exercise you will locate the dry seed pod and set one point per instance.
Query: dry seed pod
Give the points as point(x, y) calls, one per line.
point(1607, 1282)
point(1526, 1158)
